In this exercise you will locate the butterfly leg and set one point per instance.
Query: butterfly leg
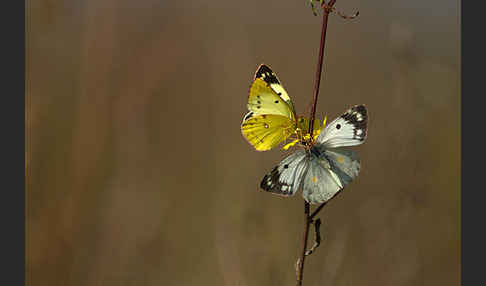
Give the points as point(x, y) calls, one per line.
point(300, 136)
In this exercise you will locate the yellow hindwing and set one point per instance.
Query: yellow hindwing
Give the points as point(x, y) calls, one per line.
point(267, 131)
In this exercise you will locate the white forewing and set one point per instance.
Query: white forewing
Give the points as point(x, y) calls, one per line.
point(286, 178)
point(347, 130)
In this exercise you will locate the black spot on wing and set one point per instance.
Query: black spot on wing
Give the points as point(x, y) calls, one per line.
point(358, 117)
point(271, 183)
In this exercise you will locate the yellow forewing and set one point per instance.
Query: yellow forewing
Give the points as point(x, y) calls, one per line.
point(278, 88)
point(264, 100)
point(265, 73)
point(267, 131)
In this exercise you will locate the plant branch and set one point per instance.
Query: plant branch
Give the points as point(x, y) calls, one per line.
point(316, 211)
point(301, 260)
point(326, 8)
point(325, 16)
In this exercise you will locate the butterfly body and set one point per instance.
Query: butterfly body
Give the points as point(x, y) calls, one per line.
point(323, 167)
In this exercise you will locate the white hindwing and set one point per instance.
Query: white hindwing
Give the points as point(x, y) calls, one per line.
point(328, 173)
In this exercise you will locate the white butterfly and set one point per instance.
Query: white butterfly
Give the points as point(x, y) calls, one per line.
point(325, 168)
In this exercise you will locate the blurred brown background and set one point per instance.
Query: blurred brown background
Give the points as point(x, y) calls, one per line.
point(140, 175)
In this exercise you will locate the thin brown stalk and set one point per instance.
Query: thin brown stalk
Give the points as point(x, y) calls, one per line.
point(316, 211)
point(300, 262)
point(320, 60)
point(307, 218)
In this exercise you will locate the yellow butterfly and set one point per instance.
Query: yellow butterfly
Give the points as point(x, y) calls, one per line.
point(271, 118)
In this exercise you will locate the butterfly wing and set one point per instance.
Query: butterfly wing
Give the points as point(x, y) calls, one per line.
point(329, 171)
point(265, 73)
point(344, 163)
point(347, 130)
point(264, 100)
point(266, 131)
point(286, 178)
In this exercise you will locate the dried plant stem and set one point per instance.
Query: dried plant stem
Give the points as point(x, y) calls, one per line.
point(316, 211)
point(307, 219)
point(317, 240)
point(301, 260)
